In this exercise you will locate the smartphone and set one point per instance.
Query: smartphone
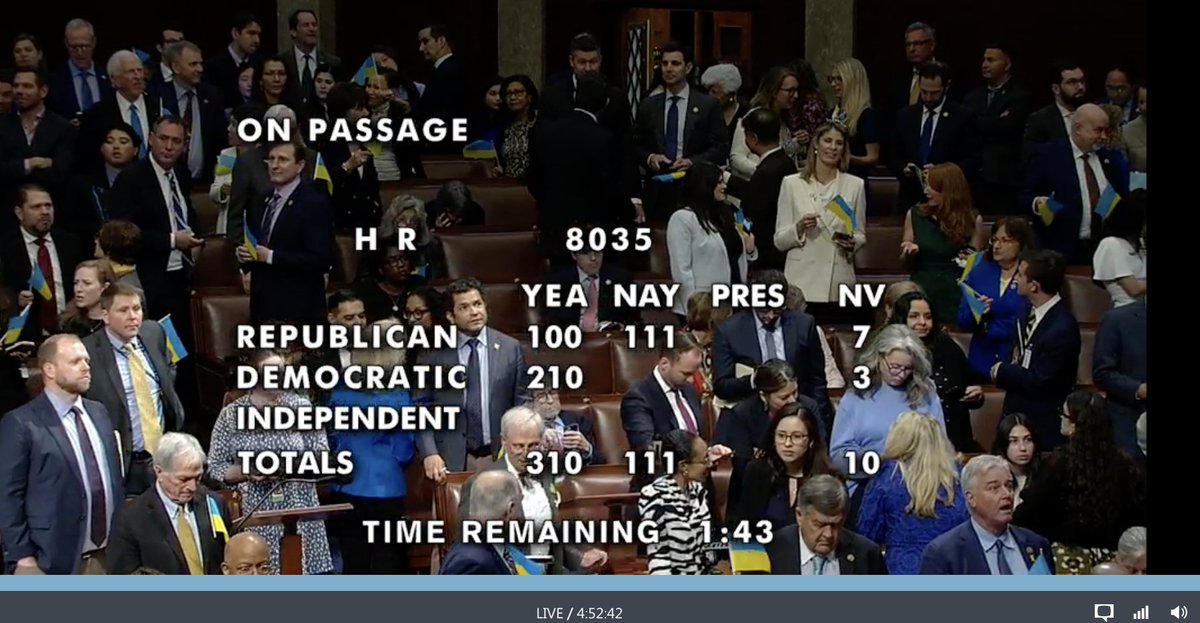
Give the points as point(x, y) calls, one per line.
point(573, 427)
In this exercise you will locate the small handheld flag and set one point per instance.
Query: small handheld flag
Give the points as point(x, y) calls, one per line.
point(142, 55)
point(16, 324)
point(1047, 209)
point(225, 161)
point(375, 147)
point(1040, 566)
point(978, 309)
point(749, 559)
point(743, 224)
point(523, 564)
point(973, 262)
point(844, 212)
point(249, 241)
point(480, 150)
point(367, 71)
point(1108, 200)
point(37, 283)
point(322, 173)
point(669, 177)
point(215, 518)
point(174, 344)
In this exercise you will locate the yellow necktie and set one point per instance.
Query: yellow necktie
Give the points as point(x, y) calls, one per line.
point(914, 92)
point(151, 430)
point(187, 540)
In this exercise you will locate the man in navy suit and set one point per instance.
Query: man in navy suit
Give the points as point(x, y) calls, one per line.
point(198, 105)
point(987, 543)
point(495, 495)
point(751, 337)
point(60, 471)
point(1119, 367)
point(294, 230)
point(666, 400)
point(1074, 172)
point(81, 83)
point(598, 279)
point(1045, 357)
point(445, 95)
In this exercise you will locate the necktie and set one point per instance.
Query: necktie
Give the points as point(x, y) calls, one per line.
point(1093, 186)
point(818, 565)
point(991, 96)
point(135, 120)
point(508, 560)
point(914, 91)
point(1002, 567)
point(683, 410)
point(85, 91)
point(1026, 333)
point(144, 396)
point(181, 220)
point(473, 401)
point(47, 309)
point(95, 483)
point(672, 138)
point(927, 136)
point(268, 223)
point(770, 353)
point(187, 122)
point(187, 541)
point(307, 77)
point(591, 314)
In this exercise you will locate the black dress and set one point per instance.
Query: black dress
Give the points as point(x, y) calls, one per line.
point(952, 375)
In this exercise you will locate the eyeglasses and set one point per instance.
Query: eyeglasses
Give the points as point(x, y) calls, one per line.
point(545, 397)
point(1004, 240)
point(897, 368)
point(415, 313)
point(794, 438)
point(918, 43)
point(833, 79)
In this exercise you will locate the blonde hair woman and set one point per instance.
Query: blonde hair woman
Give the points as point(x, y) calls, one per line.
point(819, 244)
point(852, 94)
point(915, 497)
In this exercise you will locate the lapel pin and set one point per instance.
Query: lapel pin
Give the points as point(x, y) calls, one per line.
point(496, 346)
point(945, 114)
point(695, 109)
point(850, 557)
point(608, 282)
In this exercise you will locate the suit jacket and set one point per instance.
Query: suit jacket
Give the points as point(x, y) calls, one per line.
point(508, 387)
point(214, 127)
point(646, 412)
point(856, 554)
point(1052, 171)
point(736, 341)
point(705, 136)
point(473, 559)
point(43, 500)
point(63, 96)
point(1044, 126)
point(356, 201)
point(897, 99)
point(586, 428)
point(99, 118)
point(1119, 366)
point(815, 264)
point(221, 71)
point(566, 277)
point(1001, 128)
point(85, 208)
point(954, 140)
point(743, 429)
point(558, 101)
point(292, 287)
point(1040, 389)
point(250, 182)
point(15, 271)
point(760, 202)
point(958, 551)
point(54, 138)
point(108, 389)
point(446, 95)
point(143, 535)
point(137, 197)
point(321, 57)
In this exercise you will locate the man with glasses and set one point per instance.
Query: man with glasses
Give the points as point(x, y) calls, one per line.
point(247, 553)
point(571, 431)
point(83, 83)
point(1119, 91)
point(598, 282)
point(1069, 85)
point(920, 47)
point(819, 544)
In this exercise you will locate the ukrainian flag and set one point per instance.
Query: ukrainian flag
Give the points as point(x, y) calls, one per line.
point(16, 324)
point(1108, 200)
point(226, 160)
point(142, 55)
point(174, 344)
point(973, 262)
point(844, 212)
point(1040, 567)
point(749, 559)
point(375, 147)
point(743, 224)
point(523, 564)
point(215, 518)
point(37, 283)
point(249, 241)
point(480, 150)
point(977, 307)
point(1047, 209)
point(669, 177)
point(322, 173)
point(366, 72)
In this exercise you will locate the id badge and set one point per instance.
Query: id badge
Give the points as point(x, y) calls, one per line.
point(1026, 358)
point(277, 498)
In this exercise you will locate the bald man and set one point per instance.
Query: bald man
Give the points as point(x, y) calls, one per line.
point(1074, 173)
point(247, 553)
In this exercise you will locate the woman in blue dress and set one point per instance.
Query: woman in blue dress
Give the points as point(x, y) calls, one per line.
point(995, 280)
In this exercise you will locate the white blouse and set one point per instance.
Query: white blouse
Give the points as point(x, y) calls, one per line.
point(1115, 259)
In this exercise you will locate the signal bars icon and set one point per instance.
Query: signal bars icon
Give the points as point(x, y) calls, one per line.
point(1143, 614)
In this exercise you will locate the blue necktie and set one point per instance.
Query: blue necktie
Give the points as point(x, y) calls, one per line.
point(673, 129)
point(1001, 561)
point(926, 137)
point(85, 91)
point(473, 402)
point(176, 205)
point(135, 120)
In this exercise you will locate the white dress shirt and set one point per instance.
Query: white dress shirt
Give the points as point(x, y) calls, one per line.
point(1066, 117)
point(682, 106)
point(312, 63)
point(438, 62)
point(1085, 225)
point(536, 505)
point(775, 336)
point(808, 564)
point(176, 260)
point(1040, 312)
point(60, 289)
point(189, 514)
point(670, 392)
point(143, 119)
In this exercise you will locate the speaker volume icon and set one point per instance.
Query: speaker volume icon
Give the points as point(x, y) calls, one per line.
point(1143, 614)
point(1179, 612)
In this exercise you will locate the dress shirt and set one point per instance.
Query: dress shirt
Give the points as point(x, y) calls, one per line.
point(189, 514)
point(1040, 312)
point(583, 280)
point(680, 421)
point(1012, 555)
point(31, 130)
point(464, 354)
point(93, 84)
point(166, 72)
point(438, 62)
point(776, 337)
point(285, 193)
point(1066, 117)
point(536, 505)
point(176, 260)
point(195, 152)
point(62, 406)
point(682, 106)
point(937, 118)
point(60, 289)
point(137, 440)
point(238, 59)
point(111, 173)
point(832, 566)
point(312, 60)
point(1085, 226)
point(143, 119)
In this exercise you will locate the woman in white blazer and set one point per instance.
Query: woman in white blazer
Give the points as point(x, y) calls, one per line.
point(703, 241)
point(819, 245)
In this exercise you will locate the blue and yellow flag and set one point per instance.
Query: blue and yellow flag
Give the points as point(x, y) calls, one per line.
point(524, 565)
point(322, 173)
point(367, 71)
point(669, 177)
point(142, 55)
point(973, 262)
point(1040, 567)
point(749, 558)
point(174, 344)
point(215, 518)
point(225, 161)
point(480, 150)
point(978, 309)
point(743, 224)
point(1048, 208)
point(37, 283)
point(16, 325)
point(844, 212)
point(249, 241)
point(1108, 200)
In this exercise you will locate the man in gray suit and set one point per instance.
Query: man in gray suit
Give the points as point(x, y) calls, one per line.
point(1119, 367)
point(496, 382)
point(522, 434)
point(132, 376)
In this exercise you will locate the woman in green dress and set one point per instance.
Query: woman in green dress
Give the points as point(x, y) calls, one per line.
point(939, 234)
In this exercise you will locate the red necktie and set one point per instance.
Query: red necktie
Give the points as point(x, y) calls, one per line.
point(1093, 185)
point(683, 410)
point(187, 122)
point(47, 309)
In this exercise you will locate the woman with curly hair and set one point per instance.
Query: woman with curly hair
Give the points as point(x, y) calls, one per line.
point(1088, 493)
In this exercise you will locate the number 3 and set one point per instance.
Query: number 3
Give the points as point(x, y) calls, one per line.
point(863, 380)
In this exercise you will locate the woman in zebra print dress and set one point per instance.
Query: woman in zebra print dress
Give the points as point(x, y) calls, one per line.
point(677, 504)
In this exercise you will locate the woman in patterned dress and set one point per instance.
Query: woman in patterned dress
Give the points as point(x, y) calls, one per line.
point(677, 505)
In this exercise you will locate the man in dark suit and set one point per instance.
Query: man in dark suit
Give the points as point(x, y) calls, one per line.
point(81, 83)
point(37, 242)
point(135, 381)
point(294, 230)
point(760, 194)
point(198, 106)
point(574, 431)
point(221, 70)
point(60, 471)
point(1069, 85)
point(176, 527)
point(750, 337)
point(1001, 108)
point(36, 145)
point(351, 165)
point(597, 279)
point(666, 400)
point(446, 95)
point(1119, 366)
point(920, 48)
point(131, 103)
point(677, 128)
point(303, 59)
point(932, 131)
point(496, 495)
point(158, 71)
point(1046, 354)
point(819, 544)
point(251, 181)
point(1074, 173)
point(496, 382)
point(987, 543)
point(85, 209)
